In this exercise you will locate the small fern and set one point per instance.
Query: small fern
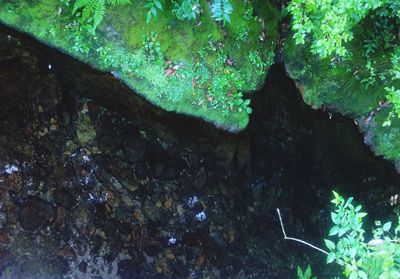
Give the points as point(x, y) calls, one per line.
point(221, 10)
point(91, 12)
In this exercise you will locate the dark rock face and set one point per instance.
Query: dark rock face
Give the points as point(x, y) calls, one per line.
point(36, 213)
point(149, 194)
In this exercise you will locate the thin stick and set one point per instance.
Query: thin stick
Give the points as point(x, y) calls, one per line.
point(295, 239)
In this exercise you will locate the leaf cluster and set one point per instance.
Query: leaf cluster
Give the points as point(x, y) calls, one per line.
point(328, 27)
point(221, 10)
point(378, 258)
point(186, 9)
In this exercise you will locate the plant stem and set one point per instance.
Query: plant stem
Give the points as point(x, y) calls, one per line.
point(295, 239)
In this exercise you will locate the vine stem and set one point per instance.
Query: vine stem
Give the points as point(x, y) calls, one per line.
point(296, 239)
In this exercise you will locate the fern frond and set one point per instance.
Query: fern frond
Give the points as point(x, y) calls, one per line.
point(99, 12)
point(118, 2)
point(221, 10)
point(80, 4)
point(88, 10)
point(93, 11)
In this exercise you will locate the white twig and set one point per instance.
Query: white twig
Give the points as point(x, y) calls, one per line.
point(295, 239)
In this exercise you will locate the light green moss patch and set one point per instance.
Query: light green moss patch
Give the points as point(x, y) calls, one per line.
point(117, 46)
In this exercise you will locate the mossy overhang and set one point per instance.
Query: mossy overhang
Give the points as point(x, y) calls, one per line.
point(122, 32)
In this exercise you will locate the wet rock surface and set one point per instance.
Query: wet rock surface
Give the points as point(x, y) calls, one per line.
point(96, 183)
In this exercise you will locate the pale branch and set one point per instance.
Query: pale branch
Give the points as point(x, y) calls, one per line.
point(295, 239)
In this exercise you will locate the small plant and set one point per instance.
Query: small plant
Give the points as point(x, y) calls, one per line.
point(152, 6)
point(255, 59)
point(221, 10)
point(377, 258)
point(220, 83)
point(393, 96)
point(152, 47)
point(243, 35)
point(248, 14)
point(307, 274)
point(79, 42)
point(187, 9)
point(91, 12)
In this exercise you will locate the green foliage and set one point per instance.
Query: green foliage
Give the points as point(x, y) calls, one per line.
point(328, 27)
point(378, 258)
point(91, 12)
point(248, 14)
point(221, 83)
point(186, 9)
point(328, 22)
point(393, 96)
point(255, 59)
point(307, 274)
point(152, 6)
point(164, 69)
point(152, 47)
point(243, 35)
point(221, 10)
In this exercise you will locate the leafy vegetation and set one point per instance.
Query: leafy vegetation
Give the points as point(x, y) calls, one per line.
point(221, 10)
point(187, 9)
point(345, 56)
point(191, 9)
point(347, 245)
point(329, 25)
point(307, 274)
point(91, 12)
point(161, 59)
point(378, 258)
point(152, 6)
point(152, 47)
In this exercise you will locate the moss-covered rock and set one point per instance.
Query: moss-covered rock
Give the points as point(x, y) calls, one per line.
point(190, 74)
point(346, 87)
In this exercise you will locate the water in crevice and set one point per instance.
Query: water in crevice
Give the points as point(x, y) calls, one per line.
point(96, 183)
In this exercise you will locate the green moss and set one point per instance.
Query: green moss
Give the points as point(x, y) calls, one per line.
point(386, 139)
point(342, 86)
point(117, 46)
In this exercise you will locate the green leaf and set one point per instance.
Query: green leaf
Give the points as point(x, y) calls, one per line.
point(148, 17)
point(158, 4)
point(352, 252)
point(362, 274)
point(334, 231)
point(307, 274)
point(353, 275)
point(329, 244)
point(331, 257)
point(335, 218)
point(361, 214)
point(336, 195)
point(386, 227)
point(299, 273)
